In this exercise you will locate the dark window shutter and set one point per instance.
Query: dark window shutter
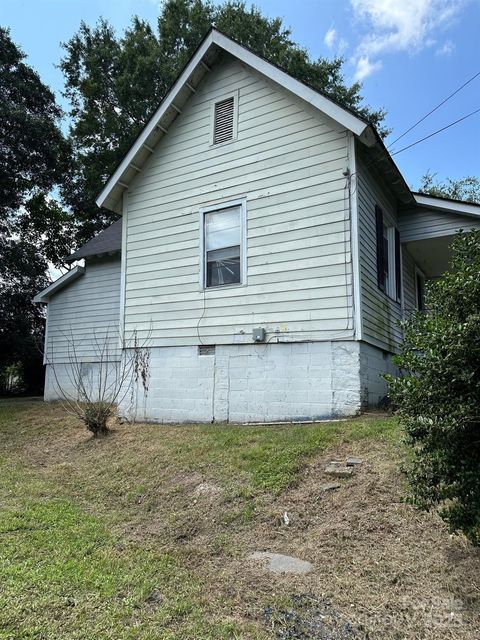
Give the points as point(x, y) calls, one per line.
point(398, 265)
point(380, 252)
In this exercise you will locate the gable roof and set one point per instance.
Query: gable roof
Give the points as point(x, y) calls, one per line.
point(107, 241)
point(200, 64)
point(67, 278)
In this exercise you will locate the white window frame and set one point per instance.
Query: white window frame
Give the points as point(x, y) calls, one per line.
point(234, 95)
point(242, 204)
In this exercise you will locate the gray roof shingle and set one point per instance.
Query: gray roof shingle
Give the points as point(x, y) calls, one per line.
point(107, 241)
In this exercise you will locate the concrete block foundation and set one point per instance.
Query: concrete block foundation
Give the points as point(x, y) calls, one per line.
point(252, 382)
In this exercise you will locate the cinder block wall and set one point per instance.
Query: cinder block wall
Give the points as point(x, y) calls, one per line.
point(374, 362)
point(250, 383)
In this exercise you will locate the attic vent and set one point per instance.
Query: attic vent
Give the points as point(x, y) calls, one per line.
point(223, 123)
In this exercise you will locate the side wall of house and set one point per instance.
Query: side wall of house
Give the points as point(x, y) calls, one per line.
point(409, 299)
point(288, 162)
point(380, 314)
point(82, 321)
point(381, 334)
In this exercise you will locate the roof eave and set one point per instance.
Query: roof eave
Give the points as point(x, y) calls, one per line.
point(67, 278)
point(100, 254)
point(383, 162)
point(446, 204)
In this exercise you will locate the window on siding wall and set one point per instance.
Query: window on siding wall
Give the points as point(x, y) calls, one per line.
point(224, 120)
point(223, 255)
point(388, 256)
point(419, 290)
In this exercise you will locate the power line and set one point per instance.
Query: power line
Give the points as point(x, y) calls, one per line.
point(436, 132)
point(434, 109)
point(374, 162)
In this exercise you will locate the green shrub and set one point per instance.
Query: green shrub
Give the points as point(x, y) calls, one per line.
point(438, 394)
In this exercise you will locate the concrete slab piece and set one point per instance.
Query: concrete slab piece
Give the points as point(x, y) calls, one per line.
point(278, 563)
point(339, 472)
point(353, 462)
point(330, 486)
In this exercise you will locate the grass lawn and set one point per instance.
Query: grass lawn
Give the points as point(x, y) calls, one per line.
point(146, 534)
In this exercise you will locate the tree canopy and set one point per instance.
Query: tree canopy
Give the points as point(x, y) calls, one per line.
point(467, 188)
point(114, 83)
point(34, 160)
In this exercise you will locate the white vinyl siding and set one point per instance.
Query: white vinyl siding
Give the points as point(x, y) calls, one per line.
point(84, 313)
point(408, 281)
point(380, 313)
point(287, 162)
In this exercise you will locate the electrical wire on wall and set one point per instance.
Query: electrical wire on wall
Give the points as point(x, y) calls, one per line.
point(348, 190)
point(347, 238)
point(204, 309)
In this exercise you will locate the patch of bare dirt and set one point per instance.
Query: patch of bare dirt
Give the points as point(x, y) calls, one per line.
point(392, 571)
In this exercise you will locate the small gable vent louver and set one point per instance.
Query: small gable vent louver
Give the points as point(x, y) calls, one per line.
point(223, 128)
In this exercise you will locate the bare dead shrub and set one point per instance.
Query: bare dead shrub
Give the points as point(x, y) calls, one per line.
point(92, 390)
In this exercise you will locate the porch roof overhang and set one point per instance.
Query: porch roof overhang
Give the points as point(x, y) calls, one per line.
point(428, 228)
point(431, 255)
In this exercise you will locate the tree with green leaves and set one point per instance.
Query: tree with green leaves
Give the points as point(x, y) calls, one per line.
point(467, 188)
point(34, 229)
point(115, 83)
point(438, 395)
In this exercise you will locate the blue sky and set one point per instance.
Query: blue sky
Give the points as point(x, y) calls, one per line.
point(409, 54)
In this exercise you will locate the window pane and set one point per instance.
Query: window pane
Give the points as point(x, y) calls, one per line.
point(222, 229)
point(386, 256)
point(223, 266)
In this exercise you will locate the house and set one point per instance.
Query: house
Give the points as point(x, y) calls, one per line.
point(267, 248)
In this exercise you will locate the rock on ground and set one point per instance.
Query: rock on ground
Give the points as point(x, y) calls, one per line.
point(279, 563)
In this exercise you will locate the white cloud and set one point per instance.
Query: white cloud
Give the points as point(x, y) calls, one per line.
point(365, 68)
point(330, 37)
point(333, 41)
point(446, 49)
point(398, 25)
point(342, 46)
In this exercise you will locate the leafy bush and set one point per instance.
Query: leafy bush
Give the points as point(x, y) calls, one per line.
point(438, 394)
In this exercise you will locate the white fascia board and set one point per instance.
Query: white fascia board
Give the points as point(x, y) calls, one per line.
point(154, 120)
point(452, 206)
point(324, 104)
point(61, 282)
